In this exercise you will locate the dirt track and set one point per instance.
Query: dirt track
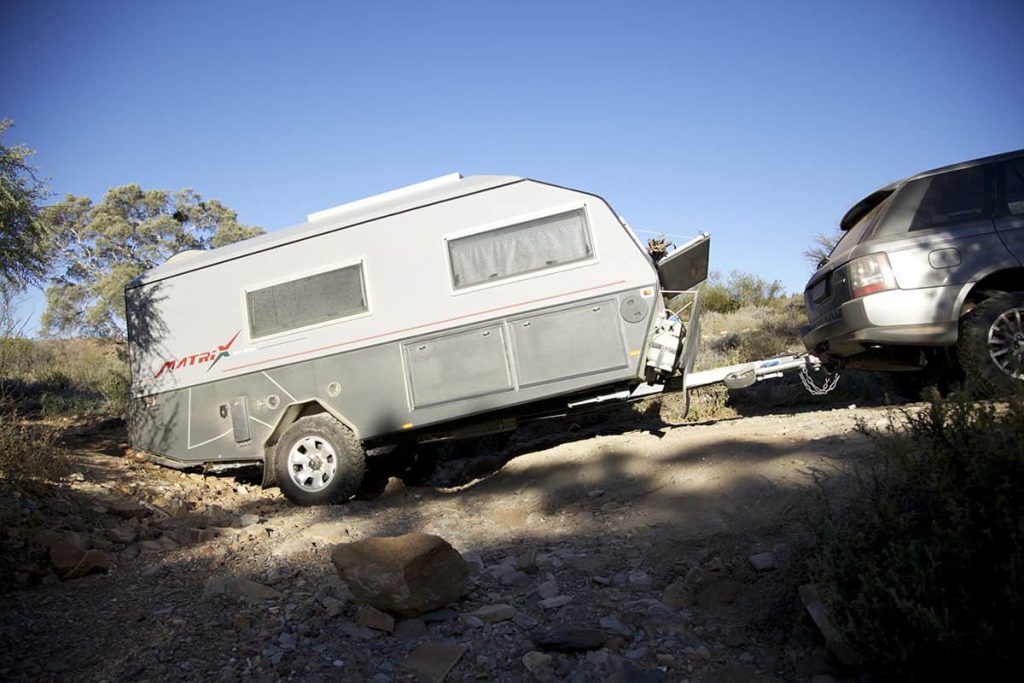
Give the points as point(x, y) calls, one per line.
point(652, 528)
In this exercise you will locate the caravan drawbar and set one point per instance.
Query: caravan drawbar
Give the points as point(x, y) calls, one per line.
point(446, 307)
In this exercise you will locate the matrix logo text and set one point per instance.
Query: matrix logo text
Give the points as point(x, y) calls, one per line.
point(198, 358)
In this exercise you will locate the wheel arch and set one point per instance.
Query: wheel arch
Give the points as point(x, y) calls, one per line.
point(292, 414)
point(1003, 279)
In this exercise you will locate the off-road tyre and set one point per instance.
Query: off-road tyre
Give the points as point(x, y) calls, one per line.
point(991, 345)
point(319, 461)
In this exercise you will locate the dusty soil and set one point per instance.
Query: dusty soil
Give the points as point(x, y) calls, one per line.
point(647, 529)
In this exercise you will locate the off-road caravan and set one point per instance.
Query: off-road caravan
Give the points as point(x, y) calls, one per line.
point(450, 306)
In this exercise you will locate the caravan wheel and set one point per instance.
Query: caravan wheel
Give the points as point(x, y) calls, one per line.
point(319, 461)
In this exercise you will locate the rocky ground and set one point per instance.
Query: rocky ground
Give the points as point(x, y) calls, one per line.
point(675, 552)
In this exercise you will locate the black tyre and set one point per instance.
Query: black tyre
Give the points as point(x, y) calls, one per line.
point(991, 345)
point(319, 461)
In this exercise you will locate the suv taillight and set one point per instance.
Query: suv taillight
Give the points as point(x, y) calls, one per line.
point(870, 274)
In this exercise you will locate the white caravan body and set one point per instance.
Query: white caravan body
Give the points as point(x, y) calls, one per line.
point(401, 315)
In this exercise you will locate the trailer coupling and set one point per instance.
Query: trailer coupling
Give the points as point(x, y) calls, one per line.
point(744, 375)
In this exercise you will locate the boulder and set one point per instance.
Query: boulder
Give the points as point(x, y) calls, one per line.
point(408, 575)
point(121, 534)
point(93, 561)
point(65, 555)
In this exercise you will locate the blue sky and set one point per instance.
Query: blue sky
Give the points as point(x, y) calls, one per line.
point(758, 122)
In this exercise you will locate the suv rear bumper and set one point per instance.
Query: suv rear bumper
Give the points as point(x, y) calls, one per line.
point(914, 317)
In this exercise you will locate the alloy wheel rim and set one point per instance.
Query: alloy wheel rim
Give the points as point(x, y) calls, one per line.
point(312, 463)
point(1006, 343)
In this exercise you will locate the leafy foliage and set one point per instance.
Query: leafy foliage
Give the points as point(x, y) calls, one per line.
point(726, 295)
point(99, 248)
point(22, 253)
point(925, 575)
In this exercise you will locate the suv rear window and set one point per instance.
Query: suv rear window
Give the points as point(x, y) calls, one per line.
point(955, 197)
point(1014, 187)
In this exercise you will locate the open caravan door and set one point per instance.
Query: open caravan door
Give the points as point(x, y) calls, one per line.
point(676, 335)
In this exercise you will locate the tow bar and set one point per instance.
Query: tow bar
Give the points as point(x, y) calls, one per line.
point(744, 375)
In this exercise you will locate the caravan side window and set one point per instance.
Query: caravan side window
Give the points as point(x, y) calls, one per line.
point(522, 248)
point(314, 299)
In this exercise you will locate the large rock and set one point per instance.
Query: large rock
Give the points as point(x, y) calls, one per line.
point(93, 561)
point(407, 575)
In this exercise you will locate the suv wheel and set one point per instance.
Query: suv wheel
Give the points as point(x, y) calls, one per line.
point(319, 461)
point(991, 344)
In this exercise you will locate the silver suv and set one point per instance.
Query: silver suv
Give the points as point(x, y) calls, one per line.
point(927, 279)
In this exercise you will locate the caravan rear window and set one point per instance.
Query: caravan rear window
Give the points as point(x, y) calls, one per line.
point(306, 301)
point(522, 248)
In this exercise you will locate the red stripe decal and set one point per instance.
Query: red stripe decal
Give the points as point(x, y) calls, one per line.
point(420, 327)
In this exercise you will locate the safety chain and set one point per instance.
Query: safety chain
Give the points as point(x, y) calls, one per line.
point(829, 383)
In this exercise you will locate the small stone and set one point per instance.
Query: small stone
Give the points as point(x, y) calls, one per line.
point(494, 613)
point(432, 662)
point(569, 639)
point(440, 615)
point(410, 629)
point(640, 580)
point(286, 641)
point(332, 606)
point(665, 659)
point(555, 602)
point(241, 623)
point(125, 509)
point(327, 533)
point(702, 651)
point(527, 562)
point(616, 626)
point(471, 621)
point(595, 493)
point(99, 540)
point(121, 534)
point(547, 590)
point(247, 520)
point(515, 578)
point(156, 570)
point(372, 617)
point(636, 653)
point(764, 562)
point(474, 564)
point(523, 620)
point(237, 587)
point(677, 594)
point(536, 662)
point(596, 657)
point(357, 631)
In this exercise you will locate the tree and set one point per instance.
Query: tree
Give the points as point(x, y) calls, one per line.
point(99, 248)
point(22, 249)
point(821, 247)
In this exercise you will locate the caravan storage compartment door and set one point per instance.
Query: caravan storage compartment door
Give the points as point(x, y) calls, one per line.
point(572, 342)
point(457, 366)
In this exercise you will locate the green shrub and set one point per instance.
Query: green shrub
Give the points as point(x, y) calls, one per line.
point(738, 290)
point(924, 573)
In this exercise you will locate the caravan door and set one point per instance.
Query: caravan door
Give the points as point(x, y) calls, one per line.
point(687, 266)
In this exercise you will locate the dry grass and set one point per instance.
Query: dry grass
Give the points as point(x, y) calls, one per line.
point(30, 453)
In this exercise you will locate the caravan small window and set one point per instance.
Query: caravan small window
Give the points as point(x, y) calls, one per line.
point(522, 248)
point(315, 299)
